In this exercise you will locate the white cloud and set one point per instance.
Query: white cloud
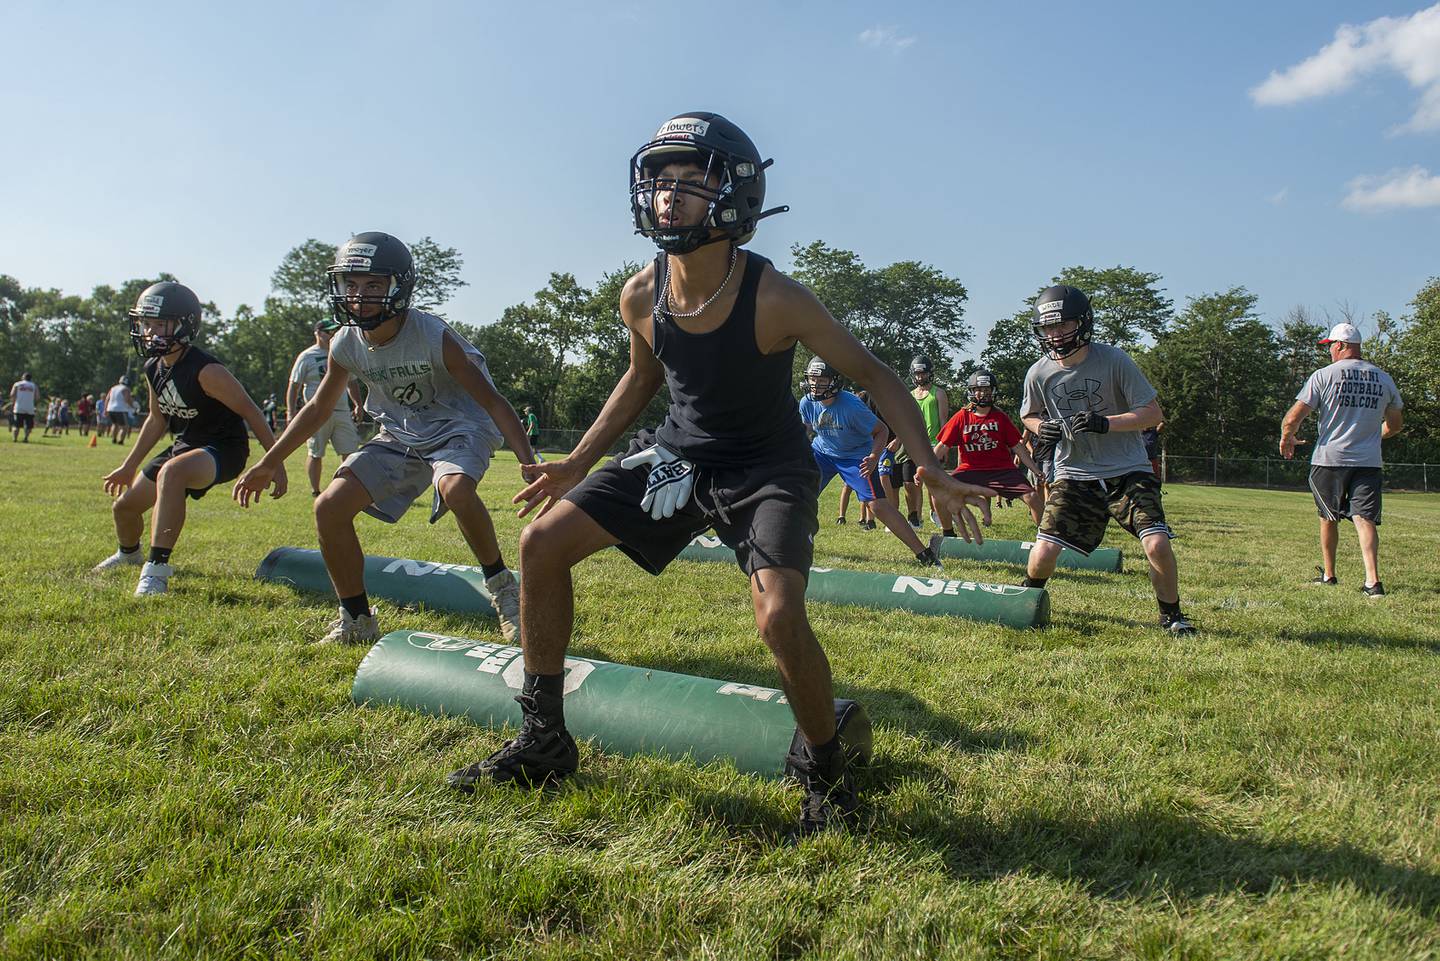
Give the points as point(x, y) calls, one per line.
point(1278, 197)
point(1409, 46)
point(1398, 189)
point(885, 38)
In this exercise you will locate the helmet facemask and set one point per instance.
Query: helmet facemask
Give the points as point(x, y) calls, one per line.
point(1061, 345)
point(147, 343)
point(346, 307)
point(714, 189)
point(821, 380)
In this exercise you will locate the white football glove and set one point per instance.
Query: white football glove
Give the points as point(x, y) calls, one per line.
point(668, 486)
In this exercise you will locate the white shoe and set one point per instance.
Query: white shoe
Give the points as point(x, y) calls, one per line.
point(505, 594)
point(352, 630)
point(120, 559)
point(935, 518)
point(154, 579)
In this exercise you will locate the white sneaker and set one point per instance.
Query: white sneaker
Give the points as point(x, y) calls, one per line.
point(505, 594)
point(154, 579)
point(120, 559)
point(352, 630)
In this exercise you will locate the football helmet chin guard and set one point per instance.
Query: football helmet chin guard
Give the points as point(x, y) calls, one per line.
point(168, 301)
point(1053, 307)
point(981, 387)
point(732, 188)
point(817, 368)
point(372, 252)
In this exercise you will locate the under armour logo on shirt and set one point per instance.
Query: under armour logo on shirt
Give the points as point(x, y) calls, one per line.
point(1070, 398)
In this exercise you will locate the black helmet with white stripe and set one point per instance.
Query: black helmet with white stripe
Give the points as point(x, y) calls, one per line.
point(166, 301)
point(373, 253)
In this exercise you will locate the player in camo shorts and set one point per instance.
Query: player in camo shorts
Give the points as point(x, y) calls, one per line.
point(1091, 402)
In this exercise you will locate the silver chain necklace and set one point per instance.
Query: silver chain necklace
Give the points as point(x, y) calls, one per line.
point(734, 255)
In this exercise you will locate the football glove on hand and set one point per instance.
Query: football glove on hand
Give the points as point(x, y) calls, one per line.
point(1050, 432)
point(668, 486)
point(1088, 420)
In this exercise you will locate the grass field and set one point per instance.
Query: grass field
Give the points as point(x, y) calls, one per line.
point(186, 777)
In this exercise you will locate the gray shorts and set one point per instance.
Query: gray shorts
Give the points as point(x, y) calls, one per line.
point(339, 432)
point(1346, 492)
point(395, 475)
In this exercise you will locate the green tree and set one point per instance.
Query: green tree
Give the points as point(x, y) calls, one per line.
point(1410, 352)
point(1128, 303)
point(1010, 349)
point(897, 311)
point(1218, 377)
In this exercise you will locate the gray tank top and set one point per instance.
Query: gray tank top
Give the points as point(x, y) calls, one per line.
point(408, 390)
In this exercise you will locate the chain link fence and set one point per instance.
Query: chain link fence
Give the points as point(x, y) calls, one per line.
point(1221, 471)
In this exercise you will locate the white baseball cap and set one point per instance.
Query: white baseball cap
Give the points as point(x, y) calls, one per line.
point(1342, 333)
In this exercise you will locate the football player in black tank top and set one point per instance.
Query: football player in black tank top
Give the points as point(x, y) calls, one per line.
point(720, 326)
point(211, 411)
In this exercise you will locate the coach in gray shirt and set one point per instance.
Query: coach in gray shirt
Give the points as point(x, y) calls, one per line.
point(1357, 407)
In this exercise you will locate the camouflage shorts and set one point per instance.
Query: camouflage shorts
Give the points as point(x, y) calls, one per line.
point(1077, 511)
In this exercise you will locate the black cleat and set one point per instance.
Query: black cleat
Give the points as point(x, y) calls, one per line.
point(1374, 590)
point(1177, 625)
point(840, 521)
point(1320, 577)
point(542, 753)
point(830, 797)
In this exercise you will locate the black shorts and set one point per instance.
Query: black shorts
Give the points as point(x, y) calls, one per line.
point(906, 470)
point(768, 515)
point(119, 418)
point(229, 462)
point(1077, 511)
point(1342, 492)
point(26, 421)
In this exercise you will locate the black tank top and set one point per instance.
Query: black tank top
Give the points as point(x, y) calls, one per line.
point(198, 419)
point(729, 404)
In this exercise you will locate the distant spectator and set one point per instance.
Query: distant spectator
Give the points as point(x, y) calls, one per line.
point(23, 395)
point(119, 404)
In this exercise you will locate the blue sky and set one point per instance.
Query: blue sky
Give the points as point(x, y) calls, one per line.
point(999, 142)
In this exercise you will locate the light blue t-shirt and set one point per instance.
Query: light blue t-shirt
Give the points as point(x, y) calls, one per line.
point(842, 430)
point(1350, 398)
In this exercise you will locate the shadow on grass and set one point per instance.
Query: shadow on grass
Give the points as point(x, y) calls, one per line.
point(1150, 853)
point(1322, 636)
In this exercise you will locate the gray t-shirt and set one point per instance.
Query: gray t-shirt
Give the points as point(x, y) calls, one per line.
point(309, 370)
point(1107, 382)
point(1349, 398)
point(409, 392)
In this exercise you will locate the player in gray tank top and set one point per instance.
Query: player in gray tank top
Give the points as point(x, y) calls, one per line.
point(440, 420)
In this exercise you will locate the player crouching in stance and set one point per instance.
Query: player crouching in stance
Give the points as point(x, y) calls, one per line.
point(211, 409)
point(988, 443)
point(1092, 402)
point(849, 439)
point(440, 419)
point(719, 325)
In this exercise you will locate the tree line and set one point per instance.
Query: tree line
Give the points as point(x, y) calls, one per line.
point(1225, 373)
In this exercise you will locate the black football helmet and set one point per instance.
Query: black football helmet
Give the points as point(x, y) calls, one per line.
point(922, 371)
point(817, 368)
point(1055, 306)
point(372, 252)
point(166, 300)
point(735, 203)
point(981, 387)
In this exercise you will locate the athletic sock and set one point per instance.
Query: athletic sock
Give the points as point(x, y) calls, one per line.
point(1169, 609)
point(914, 519)
point(945, 531)
point(129, 550)
point(160, 555)
point(548, 694)
point(357, 606)
point(492, 569)
point(1033, 581)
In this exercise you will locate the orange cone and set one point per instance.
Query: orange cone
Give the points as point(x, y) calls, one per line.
point(94, 439)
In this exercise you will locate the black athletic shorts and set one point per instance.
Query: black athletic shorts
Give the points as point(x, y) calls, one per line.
point(768, 515)
point(229, 462)
point(1077, 511)
point(26, 421)
point(119, 418)
point(906, 470)
point(1346, 492)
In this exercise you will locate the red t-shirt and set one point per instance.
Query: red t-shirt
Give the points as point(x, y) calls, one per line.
point(984, 441)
